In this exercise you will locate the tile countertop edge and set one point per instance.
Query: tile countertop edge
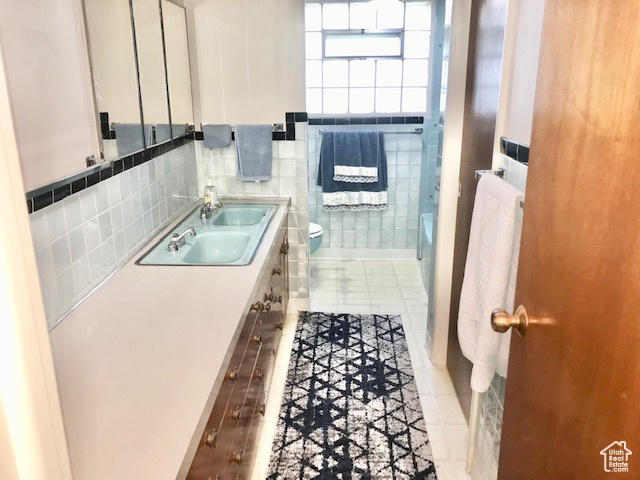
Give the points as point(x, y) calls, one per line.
point(139, 363)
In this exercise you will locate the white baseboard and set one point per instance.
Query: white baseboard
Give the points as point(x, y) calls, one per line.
point(364, 254)
point(296, 305)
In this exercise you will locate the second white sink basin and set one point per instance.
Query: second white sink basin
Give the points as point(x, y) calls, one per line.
point(217, 247)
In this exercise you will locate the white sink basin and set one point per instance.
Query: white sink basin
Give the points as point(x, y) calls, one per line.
point(230, 237)
point(217, 247)
point(238, 217)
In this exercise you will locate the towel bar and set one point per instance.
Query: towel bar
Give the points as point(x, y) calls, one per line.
point(499, 172)
point(414, 132)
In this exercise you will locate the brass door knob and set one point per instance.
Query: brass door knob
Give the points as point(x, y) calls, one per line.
point(261, 409)
point(257, 338)
point(256, 306)
point(501, 321)
point(276, 271)
point(259, 374)
point(279, 325)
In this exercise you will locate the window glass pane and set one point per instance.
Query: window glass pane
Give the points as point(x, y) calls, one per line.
point(335, 16)
point(314, 45)
point(389, 73)
point(336, 73)
point(417, 16)
point(362, 45)
point(414, 99)
point(363, 73)
point(416, 44)
point(313, 17)
point(390, 14)
point(314, 73)
point(314, 100)
point(387, 100)
point(362, 15)
point(416, 73)
point(335, 100)
point(361, 100)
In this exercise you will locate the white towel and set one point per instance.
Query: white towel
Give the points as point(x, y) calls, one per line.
point(486, 276)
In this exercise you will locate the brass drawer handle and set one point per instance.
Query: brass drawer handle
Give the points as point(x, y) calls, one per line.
point(261, 409)
point(272, 298)
point(232, 375)
point(237, 457)
point(276, 271)
point(284, 249)
point(236, 413)
point(259, 374)
point(209, 438)
point(257, 338)
point(279, 325)
point(256, 307)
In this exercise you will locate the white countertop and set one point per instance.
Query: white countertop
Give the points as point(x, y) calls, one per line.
point(139, 362)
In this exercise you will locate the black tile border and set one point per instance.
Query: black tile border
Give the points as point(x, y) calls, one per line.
point(515, 150)
point(291, 118)
point(384, 120)
point(54, 192)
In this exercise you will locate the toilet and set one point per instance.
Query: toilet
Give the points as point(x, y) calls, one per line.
point(315, 236)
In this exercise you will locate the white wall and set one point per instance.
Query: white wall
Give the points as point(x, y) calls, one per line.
point(247, 58)
point(32, 439)
point(48, 76)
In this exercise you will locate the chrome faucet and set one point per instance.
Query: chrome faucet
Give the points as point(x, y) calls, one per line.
point(207, 209)
point(177, 241)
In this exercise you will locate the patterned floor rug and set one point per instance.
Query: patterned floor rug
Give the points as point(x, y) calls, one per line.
point(350, 408)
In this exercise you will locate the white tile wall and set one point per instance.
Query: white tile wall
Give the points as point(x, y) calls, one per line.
point(289, 179)
point(395, 227)
point(84, 238)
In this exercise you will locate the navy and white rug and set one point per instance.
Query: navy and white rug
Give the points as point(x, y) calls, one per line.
point(350, 408)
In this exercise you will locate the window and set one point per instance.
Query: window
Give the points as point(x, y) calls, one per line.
point(367, 57)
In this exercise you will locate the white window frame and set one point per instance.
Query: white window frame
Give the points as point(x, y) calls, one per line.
point(376, 89)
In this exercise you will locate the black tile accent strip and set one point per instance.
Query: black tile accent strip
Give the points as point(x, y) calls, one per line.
point(290, 127)
point(54, 192)
point(515, 150)
point(390, 120)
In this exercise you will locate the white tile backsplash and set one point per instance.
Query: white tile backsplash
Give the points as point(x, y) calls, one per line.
point(289, 178)
point(82, 239)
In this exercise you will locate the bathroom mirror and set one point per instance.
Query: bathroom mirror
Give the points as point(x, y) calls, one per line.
point(151, 71)
point(110, 37)
point(178, 71)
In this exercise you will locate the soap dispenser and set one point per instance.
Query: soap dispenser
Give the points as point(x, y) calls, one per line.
point(210, 193)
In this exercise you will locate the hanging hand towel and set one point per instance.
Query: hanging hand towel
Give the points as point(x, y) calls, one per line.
point(162, 132)
point(505, 339)
point(486, 275)
point(346, 195)
point(357, 157)
point(255, 152)
point(216, 136)
point(129, 137)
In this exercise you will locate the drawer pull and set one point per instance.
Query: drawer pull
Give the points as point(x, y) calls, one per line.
point(237, 457)
point(276, 271)
point(284, 249)
point(257, 338)
point(232, 375)
point(266, 308)
point(209, 438)
point(256, 307)
point(261, 409)
point(273, 298)
point(235, 414)
point(259, 374)
point(279, 325)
